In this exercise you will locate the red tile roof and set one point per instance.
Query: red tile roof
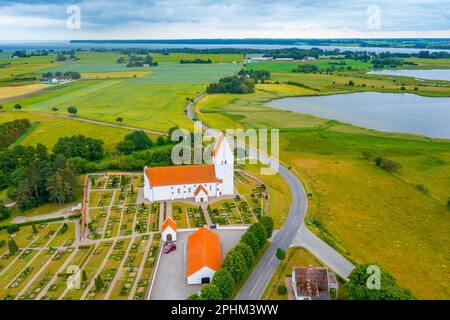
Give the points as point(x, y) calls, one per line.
point(217, 145)
point(203, 250)
point(169, 222)
point(199, 188)
point(176, 175)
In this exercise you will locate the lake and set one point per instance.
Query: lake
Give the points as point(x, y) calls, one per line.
point(433, 74)
point(392, 112)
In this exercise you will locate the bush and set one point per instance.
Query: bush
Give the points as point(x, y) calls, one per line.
point(280, 254)
point(12, 228)
point(387, 164)
point(282, 290)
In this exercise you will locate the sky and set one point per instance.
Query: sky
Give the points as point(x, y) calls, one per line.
point(180, 19)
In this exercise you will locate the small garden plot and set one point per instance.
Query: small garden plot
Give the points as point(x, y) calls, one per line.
point(142, 217)
point(131, 196)
point(64, 233)
point(112, 226)
point(147, 271)
point(179, 214)
point(108, 273)
point(127, 276)
point(90, 269)
point(27, 273)
point(98, 182)
point(97, 222)
point(119, 197)
point(100, 198)
point(224, 212)
point(25, 237)
point(244, 210)
point(113, 182)
point(126, 227)
point(9, 273)
point(196, 217)
point(154, 216)
point(137, 181)
point(59, 284)
point(45, 276)
point(51, 233)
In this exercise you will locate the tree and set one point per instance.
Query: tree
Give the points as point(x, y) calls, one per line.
point(193, 296)
point(12, 247)
point(17, 106)
point(33, 228)
point(119, 119)
point(125, 147)
point(140, 140)
point(72, 110)
point(80, 146)
point(250, 239)
point(247, 252)
point(448, 203)
point(61, 184)
point(224, 281)
point(351, 83)
point(12, 228)
point(160, 141)
point(210, 292)
point(280, 254)
point(358, 289)
point(260, 233)
point(54, 109)
point(268, 224)
point(282, 290)
point(4, 212)
point(235, 263)
point(1, 107)
point(99, 284)
point(84, 276)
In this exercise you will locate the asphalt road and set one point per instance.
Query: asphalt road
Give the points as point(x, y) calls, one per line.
point(294, 232)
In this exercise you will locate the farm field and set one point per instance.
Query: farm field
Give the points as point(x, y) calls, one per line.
point(328, 157)
point(10, 92)
point(322, 64)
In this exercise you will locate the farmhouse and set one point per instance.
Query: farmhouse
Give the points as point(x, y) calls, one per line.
point(199, 181)
point(169, 230)
point(313, 283)
point(204, 256)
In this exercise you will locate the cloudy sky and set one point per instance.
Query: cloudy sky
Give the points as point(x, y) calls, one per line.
point(180, 19)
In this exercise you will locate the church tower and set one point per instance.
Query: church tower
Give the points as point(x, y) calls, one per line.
point(223, 160)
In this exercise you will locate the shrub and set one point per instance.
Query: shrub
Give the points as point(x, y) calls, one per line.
point(282, 290)
point(280, 254)
point(387, 164)
point(12, 228)
point(72, 110)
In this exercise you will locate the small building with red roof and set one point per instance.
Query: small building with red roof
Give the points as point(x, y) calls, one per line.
point(198, 181)
point(169, 230)
point(204, 256)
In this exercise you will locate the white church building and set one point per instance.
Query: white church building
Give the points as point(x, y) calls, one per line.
point(199, 181)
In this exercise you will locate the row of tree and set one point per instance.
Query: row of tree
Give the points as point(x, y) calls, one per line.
point(196, 60)
point(137, 61)
point(238, 262)
point(232, 84)
point(11, 131)
point(68, 75)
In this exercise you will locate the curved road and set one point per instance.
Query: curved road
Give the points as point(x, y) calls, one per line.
point(294, 232)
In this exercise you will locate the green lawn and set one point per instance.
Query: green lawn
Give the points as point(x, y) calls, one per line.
point(322, 64)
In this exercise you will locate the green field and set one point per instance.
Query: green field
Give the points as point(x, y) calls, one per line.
point(351, 213)
point(322, 64)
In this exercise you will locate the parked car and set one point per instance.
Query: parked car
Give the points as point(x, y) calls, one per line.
point(170, 247)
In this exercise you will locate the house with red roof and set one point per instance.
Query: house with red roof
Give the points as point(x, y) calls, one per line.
point(204, 256)
point(198, 181)
point(169, 230)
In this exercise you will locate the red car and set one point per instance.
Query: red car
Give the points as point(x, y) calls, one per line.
point(170, 247)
